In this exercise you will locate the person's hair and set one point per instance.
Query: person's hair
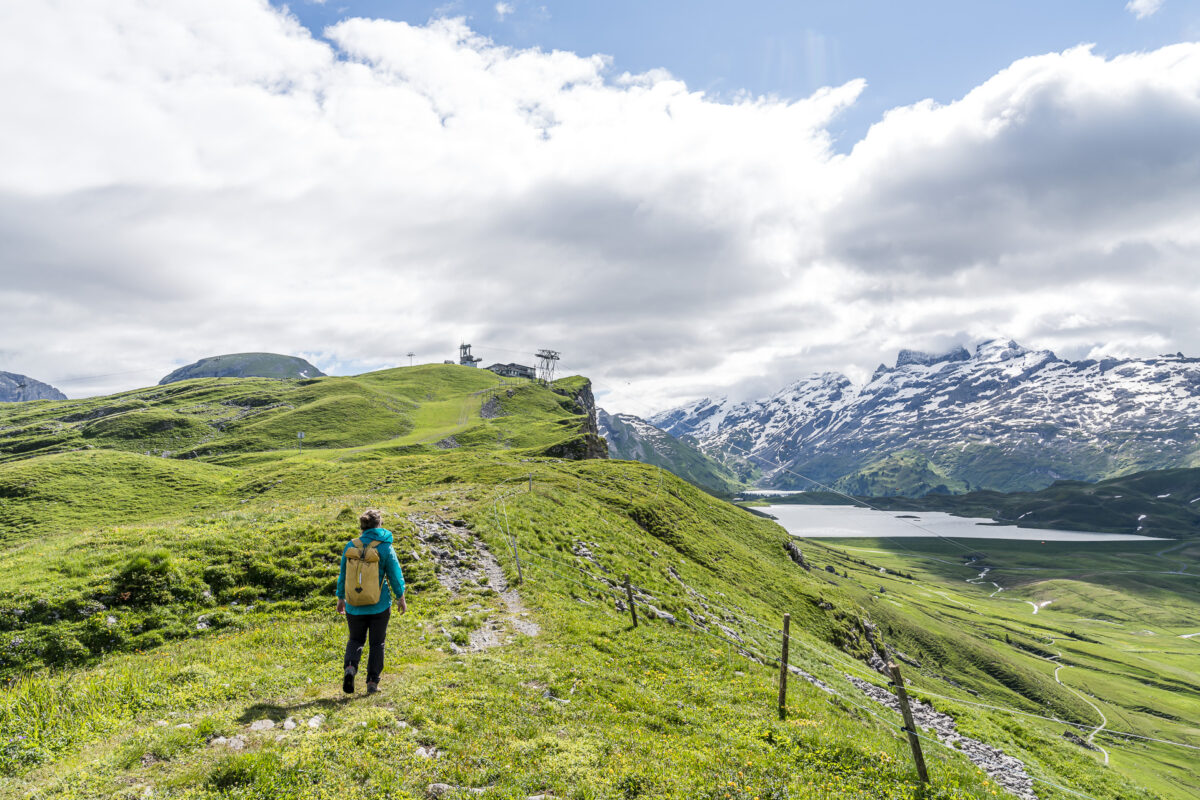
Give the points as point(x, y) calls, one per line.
point(370, 519)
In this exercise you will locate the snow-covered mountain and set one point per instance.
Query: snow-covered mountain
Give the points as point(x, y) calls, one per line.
point(1003, 418)
point(633, 439)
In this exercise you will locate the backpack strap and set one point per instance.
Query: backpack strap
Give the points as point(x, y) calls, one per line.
point(358, 545)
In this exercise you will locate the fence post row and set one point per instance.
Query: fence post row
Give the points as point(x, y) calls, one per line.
point(629, 594)
point(909, 727)
point(783, 667)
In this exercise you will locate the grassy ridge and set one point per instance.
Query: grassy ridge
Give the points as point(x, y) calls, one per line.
point(232, 623)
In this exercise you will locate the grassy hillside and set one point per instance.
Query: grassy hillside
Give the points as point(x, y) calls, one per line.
point(906, 473)
point(170, 632)
point(245, 365)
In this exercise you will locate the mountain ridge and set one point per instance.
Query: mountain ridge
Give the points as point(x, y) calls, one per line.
point(1005, 418)
point(17, 388)
point(245, 365)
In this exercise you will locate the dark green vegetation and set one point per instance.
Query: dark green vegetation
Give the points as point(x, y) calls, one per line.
point(633, 439)
point(907, 473)
point(245, 365)
point(151, 606)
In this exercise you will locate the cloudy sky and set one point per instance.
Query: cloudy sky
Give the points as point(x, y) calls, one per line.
point(684, 200)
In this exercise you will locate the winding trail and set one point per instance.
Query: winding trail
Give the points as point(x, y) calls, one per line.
point(1038, 606)
point(1091, 737)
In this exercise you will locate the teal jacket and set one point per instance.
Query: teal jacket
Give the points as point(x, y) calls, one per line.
point(389, 572)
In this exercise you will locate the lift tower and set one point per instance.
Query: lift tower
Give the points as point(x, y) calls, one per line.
point(546, 361)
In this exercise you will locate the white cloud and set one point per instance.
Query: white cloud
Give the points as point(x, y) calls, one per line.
point(1143, 8)
point(204, 176)
point(504, 9)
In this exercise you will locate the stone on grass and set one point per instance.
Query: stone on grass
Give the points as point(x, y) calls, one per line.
point(289, 724)
point(262, 725)
point(316, 721)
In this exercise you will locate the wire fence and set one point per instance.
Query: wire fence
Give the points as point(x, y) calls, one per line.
point(754, 650)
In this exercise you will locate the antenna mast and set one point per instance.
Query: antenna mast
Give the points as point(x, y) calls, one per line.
point(546, 362)
point(410, 357)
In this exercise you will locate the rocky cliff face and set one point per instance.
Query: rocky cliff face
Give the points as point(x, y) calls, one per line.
point(1004, 417)
point(590, 444)
point(16, 388)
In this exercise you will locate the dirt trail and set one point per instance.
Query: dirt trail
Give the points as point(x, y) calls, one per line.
point(465, 561)
point(1091, 738)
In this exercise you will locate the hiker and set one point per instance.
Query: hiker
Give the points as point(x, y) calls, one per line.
point(369, 574)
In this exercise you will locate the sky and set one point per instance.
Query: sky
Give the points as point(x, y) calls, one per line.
point(685, 199)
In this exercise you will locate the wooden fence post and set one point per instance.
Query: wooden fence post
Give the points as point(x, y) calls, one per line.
point(909, 727)
point(783, 667)
point(629, 594)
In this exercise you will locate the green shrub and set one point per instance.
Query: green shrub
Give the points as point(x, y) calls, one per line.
point(219, 577)
point(63, 649)
point(148, 578)
point(193, 673)
point(249, 769)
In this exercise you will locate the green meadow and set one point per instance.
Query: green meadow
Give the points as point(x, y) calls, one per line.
point(167, 626)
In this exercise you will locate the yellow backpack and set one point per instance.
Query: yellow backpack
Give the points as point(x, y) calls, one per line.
point(362, 574)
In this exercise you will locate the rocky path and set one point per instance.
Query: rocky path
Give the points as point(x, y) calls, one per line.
point(1007, 771)
point(465, 561)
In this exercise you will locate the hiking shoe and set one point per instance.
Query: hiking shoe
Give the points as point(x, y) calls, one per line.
point(372, 687)
point(348, 680)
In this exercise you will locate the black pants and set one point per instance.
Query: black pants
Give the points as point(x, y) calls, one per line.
point(360, 625)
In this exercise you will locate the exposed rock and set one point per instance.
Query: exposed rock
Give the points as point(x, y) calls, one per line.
point(1007, 771)
point(262, 725)
point(1075, 738)
point(316, 721)
point(491, 409)
point(590, 444)
point(796, 554)
point(443, 789)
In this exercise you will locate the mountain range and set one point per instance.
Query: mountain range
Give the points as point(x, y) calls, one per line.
point(1002, 418)
point(633, 439)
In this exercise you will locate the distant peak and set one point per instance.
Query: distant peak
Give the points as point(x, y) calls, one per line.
point(918, 357)
point(999, 350)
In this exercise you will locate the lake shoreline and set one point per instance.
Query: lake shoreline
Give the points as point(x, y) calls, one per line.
point(852, 522)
